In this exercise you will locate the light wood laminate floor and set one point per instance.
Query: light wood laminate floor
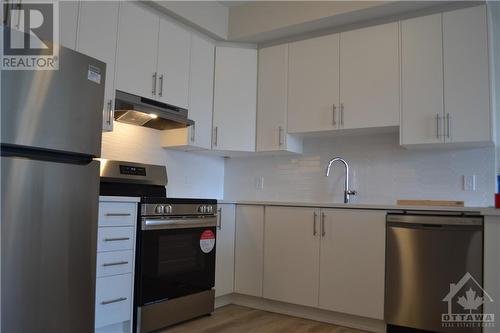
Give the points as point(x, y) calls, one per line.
point(236, 319)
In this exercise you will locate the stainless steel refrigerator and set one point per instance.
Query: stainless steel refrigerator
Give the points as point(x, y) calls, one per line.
point(50, 134)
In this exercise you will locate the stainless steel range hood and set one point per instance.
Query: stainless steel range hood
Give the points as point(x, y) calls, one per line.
point(136, 110)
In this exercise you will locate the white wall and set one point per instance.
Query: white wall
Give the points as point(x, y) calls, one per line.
point(382, 172)
point(189, 175)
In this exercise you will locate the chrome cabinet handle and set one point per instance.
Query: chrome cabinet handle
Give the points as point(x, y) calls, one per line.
point(116, 239)
point(110, 111)
point(280, 134)
point(342, 114)
point(314, 224)
point(115, 263)
point(154, 84)
point(323, 232)
point(448, 130)
point(438, 120)
point(118, 214)
point(160, 93)
point(116, 300)
point(216, 130)
point(192, 132)
point(334, 108)
point(219, 212)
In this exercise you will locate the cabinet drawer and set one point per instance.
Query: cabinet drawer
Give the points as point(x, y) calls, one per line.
point(113, 299)
point(117, 213)
point(113, 263)
point(115, 239)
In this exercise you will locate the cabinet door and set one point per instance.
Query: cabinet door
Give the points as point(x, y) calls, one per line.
point(422, 80)
point(68, 23)
point(224, 261)
point(137, 50)
point(313, 84)
point(369, 77)
point(249, 245)
point(174, 44)
point(201, 91)
point(291, 255)
point(352, 267)
point(466, 76)
point(101, 16)
point(235, 99)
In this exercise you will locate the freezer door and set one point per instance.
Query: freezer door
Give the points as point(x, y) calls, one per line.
point(48, 234)
point(59, 109)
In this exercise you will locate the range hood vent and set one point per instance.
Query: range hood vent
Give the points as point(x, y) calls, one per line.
point(136, 110)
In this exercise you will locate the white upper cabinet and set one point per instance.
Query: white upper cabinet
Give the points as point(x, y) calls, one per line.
point(313, 85)
point(369, 77)
point(468, 115)
point(445, 94)
point(201, 85)
point(235, 99)
point(201, 92)
point(174, 44)
point(68, 23)
point(422, 80)
point(272, 102)
point(291, 254)
point(137, 50)
point(101, 16)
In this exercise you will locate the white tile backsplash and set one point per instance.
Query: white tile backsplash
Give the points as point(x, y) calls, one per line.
point(381, 172)
point(190, 175)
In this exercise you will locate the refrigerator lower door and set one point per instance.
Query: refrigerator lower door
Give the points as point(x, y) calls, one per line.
point(48, 249)
point(55, 109)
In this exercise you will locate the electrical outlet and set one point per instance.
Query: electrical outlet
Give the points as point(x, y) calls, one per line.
point(469, 183)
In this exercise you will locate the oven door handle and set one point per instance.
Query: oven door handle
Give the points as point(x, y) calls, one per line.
point(178, 223)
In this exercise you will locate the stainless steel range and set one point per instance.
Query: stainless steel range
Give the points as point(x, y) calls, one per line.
point(175, 259)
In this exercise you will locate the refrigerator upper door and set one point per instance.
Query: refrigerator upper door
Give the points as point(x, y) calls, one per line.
point(48, 245)
point(55, 109)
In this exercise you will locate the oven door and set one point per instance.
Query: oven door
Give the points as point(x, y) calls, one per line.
point(177, 257)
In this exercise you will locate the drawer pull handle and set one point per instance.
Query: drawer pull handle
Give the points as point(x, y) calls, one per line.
point(116, 239)
point(115, 263)
point(121, 299)
point(118, 214)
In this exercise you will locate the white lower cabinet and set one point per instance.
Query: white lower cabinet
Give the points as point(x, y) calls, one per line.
point(115, 266)
point(249, 246)
point(333, 259)
point(352, 264)
point(291, 255)
point(224, 252)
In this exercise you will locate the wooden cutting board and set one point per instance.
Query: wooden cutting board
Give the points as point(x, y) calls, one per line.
point(445, 203)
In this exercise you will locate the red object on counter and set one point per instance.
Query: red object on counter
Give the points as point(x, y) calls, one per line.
point(497, 200)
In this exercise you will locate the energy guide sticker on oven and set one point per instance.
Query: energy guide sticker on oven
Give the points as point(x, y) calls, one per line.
point(207, 241)
point(94, 74)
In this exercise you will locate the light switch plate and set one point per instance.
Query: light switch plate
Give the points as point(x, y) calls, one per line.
point(469, 182)
point(259, 183)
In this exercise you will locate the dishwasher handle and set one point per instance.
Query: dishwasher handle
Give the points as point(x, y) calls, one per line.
point(432, 220)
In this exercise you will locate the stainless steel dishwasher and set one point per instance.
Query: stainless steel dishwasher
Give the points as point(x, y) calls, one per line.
point(425, 255)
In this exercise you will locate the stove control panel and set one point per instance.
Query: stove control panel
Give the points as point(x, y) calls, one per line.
point(205, 209)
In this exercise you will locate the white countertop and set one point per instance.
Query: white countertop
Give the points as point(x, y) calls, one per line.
point(487, 211)
point(118, 199)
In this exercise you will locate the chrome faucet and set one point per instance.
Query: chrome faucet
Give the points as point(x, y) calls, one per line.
point(347, 191)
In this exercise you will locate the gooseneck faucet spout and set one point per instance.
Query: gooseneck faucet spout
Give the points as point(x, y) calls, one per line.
point(347, 191)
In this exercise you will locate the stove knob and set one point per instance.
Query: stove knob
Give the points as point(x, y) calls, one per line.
point(168, 209)
point(210, 209)
point(160, 209)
